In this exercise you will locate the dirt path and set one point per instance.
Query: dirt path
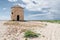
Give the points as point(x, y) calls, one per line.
point(52, 31)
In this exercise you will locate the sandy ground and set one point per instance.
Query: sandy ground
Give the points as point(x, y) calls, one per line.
point(48, 31)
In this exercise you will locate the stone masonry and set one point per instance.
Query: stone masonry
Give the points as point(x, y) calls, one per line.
point(17, 13)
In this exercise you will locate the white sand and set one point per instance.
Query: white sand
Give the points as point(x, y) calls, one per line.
point(50, 32)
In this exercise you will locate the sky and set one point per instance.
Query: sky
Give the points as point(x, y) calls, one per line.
point(33, 9)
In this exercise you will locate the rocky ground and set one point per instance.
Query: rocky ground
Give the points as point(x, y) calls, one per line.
point(13, 30)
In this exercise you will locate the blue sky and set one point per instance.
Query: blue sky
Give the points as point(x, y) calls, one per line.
point(33, 9)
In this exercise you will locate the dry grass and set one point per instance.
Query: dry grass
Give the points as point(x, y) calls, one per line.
point(25, 24)
point(11, 23)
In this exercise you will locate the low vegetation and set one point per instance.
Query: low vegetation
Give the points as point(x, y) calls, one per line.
point(52, 21)
point(31, 34)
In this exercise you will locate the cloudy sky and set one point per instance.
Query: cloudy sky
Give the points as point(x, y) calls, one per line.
point(33, 9)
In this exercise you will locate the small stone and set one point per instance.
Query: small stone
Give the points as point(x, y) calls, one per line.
point(43, 36)
point(26, 39)
point(4, 38)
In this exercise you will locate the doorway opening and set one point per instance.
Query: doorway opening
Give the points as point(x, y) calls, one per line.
point(17, 17)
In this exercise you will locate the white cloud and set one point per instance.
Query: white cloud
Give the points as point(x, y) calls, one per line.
point(12, 0)
point(22, 5)
point(35, 7)
point(4, 8)
point(54, 11)
point(39, 4)
point(27, 1)
point(46, 16)
point(35, 15)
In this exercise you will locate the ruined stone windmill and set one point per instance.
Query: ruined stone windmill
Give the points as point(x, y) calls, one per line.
point(17, 13)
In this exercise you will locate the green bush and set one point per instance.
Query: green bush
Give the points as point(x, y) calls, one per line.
point(30, 34)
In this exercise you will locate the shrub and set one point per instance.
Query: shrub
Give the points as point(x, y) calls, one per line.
point(30, 34)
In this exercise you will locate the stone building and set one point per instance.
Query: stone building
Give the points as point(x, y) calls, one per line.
point(17, 13)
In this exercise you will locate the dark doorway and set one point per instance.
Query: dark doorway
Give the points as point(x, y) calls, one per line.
point(17, 17)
